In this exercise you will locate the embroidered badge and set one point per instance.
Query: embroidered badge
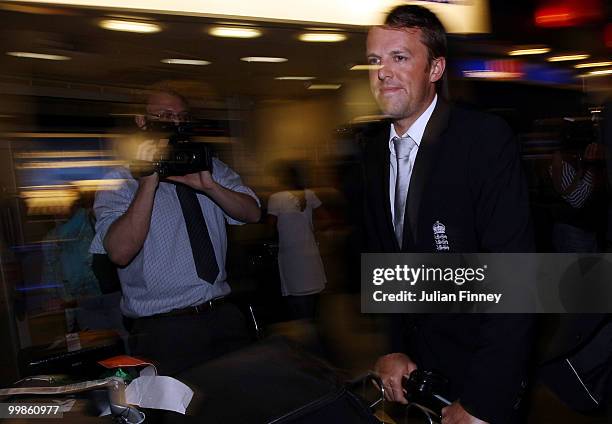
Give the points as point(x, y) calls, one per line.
point(440, 238)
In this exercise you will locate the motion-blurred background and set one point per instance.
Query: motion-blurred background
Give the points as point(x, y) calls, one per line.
point(269, 83)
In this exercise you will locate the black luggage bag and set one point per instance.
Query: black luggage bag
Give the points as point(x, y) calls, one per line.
point(271, 381)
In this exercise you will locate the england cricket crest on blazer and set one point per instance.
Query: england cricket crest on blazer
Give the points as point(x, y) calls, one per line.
point(439, 232)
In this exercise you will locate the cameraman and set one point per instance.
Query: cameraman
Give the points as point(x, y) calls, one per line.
point(580, 184)
point(169, 240)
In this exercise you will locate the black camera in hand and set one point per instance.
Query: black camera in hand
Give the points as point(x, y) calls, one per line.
point(427, 390)
point(182, 159)
point(179, 156)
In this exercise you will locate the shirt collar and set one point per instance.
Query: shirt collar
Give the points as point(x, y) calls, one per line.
point(417, 129)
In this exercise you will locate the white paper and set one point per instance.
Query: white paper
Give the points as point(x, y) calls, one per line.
point(149, 371)
point(159, 392)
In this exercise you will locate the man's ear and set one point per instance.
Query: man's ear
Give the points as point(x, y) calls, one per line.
point(140, 121)
point(437, 68)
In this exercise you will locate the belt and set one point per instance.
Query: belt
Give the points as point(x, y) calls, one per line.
point(202, 308)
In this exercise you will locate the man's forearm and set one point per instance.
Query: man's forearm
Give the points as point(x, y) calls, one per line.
point(239, 206)
point(127, 234)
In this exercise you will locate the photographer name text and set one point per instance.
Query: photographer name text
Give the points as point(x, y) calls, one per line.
point(435, 296)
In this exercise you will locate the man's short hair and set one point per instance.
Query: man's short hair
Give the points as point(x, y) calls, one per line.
point(433, 33)
point(165, 90)
point(144, 97)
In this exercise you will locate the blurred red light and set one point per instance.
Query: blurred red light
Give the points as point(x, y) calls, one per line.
point(554, 17)
point(564, 13)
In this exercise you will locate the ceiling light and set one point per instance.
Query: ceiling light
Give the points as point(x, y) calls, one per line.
point(567, 57)
point(324, 86)
point(263, 59)
point(185, 62)
point(294, 78)
point(365, 67)
point(600, 73)
point(368, 118)
point(129, 26)
point(322, 37)
point(30, 55)
point(487, 74)
point(234, 32)
point(592, 65)
point(522, 52)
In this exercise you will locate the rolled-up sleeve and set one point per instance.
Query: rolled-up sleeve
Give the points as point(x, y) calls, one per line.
point(229, 179)
point(108, 206)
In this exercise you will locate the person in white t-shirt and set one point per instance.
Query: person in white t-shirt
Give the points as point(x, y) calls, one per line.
point(300, 266)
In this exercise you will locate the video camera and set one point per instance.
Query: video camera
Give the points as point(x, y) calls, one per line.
point(578, 133)
point(182, 159)
point(180, 156)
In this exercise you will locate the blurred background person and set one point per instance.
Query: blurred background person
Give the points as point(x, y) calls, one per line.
point(579, 180)
point(300, 266)
point(82, 278)
point(67, 259)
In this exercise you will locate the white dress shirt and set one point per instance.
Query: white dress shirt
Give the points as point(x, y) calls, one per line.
point(416, 131)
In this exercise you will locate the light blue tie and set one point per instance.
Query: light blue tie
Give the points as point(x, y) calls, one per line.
point(403, 146)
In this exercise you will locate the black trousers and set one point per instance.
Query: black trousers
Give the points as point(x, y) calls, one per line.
point(302, 307)
point(176, 343)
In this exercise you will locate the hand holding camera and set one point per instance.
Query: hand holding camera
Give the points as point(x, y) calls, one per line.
point(171, 155)
point(201, 181)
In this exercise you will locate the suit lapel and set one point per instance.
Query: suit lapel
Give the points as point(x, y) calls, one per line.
point(381, 182)
point(426, 157)
point(386, 168)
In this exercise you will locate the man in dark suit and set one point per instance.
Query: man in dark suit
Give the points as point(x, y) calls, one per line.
point(431, 170)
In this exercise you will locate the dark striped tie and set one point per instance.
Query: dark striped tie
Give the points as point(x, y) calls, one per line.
point(201, 245)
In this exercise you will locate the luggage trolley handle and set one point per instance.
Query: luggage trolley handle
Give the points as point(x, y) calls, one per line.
point(424, 391)
point(365, 382)
point(375, 379)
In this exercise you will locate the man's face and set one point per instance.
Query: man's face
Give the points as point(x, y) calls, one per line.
point(165, 107)
point(404, 85)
